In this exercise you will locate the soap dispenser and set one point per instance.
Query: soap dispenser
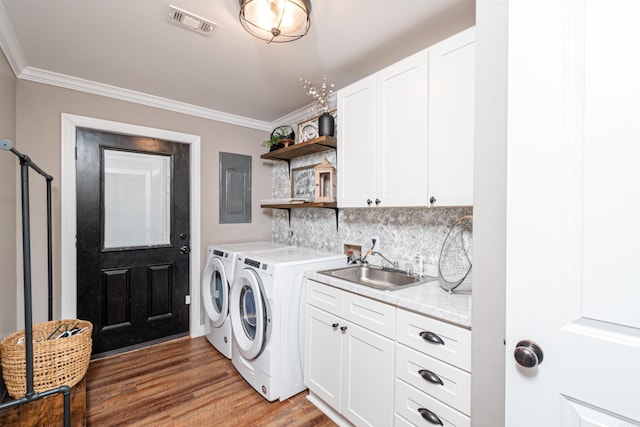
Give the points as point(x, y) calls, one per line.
point(420, 260)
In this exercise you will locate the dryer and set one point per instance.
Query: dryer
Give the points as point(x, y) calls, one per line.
point(266, 311)
point(216, 279)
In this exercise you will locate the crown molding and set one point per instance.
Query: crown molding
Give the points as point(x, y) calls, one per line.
point(82, 85)
point(9, 44)
point(303, 113)
point(11, 48)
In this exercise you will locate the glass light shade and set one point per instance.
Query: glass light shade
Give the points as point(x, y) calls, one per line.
point(276, 21)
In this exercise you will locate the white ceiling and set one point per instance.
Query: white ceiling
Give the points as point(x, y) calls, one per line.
point(127, 47)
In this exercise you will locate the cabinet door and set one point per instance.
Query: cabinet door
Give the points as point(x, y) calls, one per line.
point(322, 355)
point(402, 136)
point(367, 391)
point(452, 120)
point(357, 150)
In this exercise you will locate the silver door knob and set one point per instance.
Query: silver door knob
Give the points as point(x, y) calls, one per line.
point(528, 354)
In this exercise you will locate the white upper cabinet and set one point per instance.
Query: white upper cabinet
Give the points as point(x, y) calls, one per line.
point(382, 152)
point(452, 120)
point(402, 103)
point(385, 148)
point(357, 159)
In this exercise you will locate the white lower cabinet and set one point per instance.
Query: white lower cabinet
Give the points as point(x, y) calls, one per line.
point(347, 365)
point(433, 379)
point(367, 383)
point(368, 363)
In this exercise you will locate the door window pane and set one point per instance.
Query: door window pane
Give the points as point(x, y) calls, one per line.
point(137, 195)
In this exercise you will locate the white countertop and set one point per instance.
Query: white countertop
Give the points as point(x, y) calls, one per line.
point(428, 299)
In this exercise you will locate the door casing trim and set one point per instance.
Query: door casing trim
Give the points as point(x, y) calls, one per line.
point(68, 255)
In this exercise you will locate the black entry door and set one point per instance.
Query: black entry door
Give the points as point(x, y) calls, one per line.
point(132, 237)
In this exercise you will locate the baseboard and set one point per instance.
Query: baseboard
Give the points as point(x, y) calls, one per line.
point(328, 410)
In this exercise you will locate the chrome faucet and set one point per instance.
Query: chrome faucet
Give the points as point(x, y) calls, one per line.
point(393, 263)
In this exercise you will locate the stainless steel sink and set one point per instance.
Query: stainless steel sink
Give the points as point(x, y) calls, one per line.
point(376, 277)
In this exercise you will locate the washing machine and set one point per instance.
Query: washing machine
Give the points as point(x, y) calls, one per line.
point(266, 310)
point(216, 279)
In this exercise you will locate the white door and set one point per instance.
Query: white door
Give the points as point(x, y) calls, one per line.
point(215, 292)
point(572, 206)
point(250, 314)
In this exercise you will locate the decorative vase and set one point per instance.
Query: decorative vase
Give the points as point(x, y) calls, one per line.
point(276, 147)
point(326, 125)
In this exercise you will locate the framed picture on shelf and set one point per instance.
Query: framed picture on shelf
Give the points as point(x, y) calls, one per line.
point(303, 182)
point(308, 129)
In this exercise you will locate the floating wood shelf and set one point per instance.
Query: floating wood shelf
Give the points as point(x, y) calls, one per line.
point(315, 145)
point(302, 205)
point(289, 206)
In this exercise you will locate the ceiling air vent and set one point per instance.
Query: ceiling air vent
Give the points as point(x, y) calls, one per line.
point(190, 21)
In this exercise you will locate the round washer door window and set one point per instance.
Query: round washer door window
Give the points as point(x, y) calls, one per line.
point(215, 292)
point(249, 314)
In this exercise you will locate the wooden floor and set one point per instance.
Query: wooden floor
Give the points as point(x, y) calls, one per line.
point(184, 382)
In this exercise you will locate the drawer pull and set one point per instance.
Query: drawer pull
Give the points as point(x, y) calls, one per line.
point(343, 328)
point(335, 325)
point(431, 337)
point(430, 416)
point(430, 376)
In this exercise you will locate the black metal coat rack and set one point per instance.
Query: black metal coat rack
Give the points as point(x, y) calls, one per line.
point(31, 395)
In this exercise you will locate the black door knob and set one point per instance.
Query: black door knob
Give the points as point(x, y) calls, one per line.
point(432, 200)
point(369, 202)
point(378, 201)
point(528, 354)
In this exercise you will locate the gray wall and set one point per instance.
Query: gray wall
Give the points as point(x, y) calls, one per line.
point(488, 356)
point(8, 165)
point(39, 108)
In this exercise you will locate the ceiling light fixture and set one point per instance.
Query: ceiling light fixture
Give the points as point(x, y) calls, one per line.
point(276, 21)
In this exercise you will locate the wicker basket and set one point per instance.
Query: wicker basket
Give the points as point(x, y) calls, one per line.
point(56, 362)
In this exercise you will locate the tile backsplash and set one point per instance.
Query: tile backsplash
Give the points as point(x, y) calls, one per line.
point(403, 232)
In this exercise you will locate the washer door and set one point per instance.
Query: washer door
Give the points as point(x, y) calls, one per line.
point(250, 313)
point(215, 292)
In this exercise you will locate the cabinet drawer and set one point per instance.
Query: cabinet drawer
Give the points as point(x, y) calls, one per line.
point(324, 297)
point(409, 401)
point(454, 343)
point(455, 389)
point(371, 314)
